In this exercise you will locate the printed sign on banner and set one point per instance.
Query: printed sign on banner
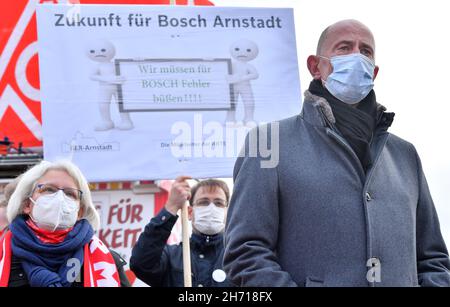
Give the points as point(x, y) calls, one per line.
point(191, 85)
point(151, 92)
point(123, 216)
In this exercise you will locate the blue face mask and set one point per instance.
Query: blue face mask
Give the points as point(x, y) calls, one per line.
point(352, 77)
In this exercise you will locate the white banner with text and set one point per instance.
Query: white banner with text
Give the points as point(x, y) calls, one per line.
point(152, 92)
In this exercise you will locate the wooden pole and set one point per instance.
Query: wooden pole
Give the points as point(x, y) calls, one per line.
point(186, 246)
point(185, 234)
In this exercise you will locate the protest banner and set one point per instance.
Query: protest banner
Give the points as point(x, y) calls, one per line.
point(151, 92)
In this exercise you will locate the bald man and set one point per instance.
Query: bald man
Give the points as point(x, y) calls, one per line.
point(348, 203)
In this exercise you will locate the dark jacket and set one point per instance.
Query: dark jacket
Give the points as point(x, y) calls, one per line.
point(318, 219)
point(159, 264)
point(18, 278)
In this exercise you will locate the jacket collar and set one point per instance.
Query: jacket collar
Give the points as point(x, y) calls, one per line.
point(317, 111)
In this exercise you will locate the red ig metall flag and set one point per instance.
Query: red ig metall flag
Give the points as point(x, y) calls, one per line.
point(20, 106)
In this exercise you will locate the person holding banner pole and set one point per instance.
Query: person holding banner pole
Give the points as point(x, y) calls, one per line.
point(161, 265)
point(347, 203)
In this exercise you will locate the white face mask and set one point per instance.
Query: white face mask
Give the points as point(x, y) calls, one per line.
point(352, 77)
point(55, 211)
point(209, 220)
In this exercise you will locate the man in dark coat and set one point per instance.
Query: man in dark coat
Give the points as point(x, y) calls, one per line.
point(347, 204)
point(159, 264)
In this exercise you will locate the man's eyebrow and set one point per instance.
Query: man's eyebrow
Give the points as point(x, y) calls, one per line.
point(343, 42)
point(347, 42)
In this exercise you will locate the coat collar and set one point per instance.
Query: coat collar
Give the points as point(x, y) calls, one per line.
point(317, 111)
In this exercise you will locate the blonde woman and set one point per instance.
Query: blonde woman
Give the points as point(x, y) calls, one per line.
point(51, 241)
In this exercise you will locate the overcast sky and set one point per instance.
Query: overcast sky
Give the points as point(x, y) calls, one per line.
point(412, 42)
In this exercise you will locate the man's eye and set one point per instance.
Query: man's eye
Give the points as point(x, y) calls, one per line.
point(367, 53)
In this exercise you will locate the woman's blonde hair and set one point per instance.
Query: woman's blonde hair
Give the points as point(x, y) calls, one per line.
point(28, 181)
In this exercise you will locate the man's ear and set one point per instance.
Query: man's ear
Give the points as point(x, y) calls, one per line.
point(375, 72)
point(313, 66)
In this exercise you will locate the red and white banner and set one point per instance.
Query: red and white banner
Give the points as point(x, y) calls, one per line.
point(124, 215)
point(20, 106)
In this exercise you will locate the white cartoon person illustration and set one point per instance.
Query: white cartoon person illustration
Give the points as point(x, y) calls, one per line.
point(103, 52)
point(243, 51)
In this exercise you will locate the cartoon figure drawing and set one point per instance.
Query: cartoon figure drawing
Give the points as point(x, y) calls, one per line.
point(103, 52)
point(243, 51)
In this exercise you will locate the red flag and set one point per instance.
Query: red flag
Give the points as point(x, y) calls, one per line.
point(20, 107)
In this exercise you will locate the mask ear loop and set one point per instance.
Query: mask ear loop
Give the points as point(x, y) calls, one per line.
point(31, 213)
point(324, 82)
point(34, 203)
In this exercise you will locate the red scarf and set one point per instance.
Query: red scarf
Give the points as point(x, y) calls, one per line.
point(99, 267)
point(47, 236)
